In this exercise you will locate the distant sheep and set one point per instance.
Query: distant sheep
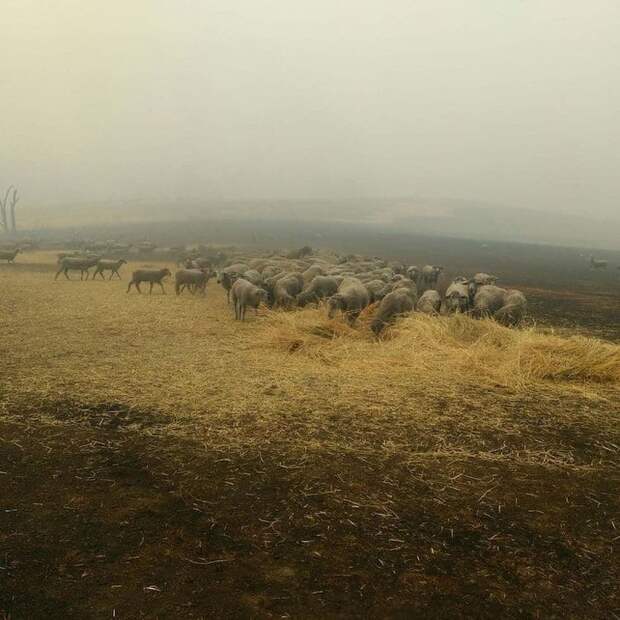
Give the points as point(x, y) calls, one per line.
point(81, 264)
point(152, 276)
point(108, 265)
point(429, 277)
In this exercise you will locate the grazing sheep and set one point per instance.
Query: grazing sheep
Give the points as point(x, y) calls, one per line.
point(193, 279)
point(513, 310)
point(81, 264)
point(458, 297)
point(270, 271)
point(245, 294)
point(429, 302)
point(352, 297)
point(9, 255)
point(480, 279)
point(377, 290)
point(286, 289)
point(109, 265)
point(253, 276)
point(394, 304)
point(309, 274)
point(429, 277)
point(321, 287)
point(413, 273)
point(397, 267)
point(406, 284)
point(507, 306)
point(152, 276)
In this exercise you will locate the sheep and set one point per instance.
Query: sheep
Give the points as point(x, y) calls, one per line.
point(286, 289)
point(457, 298)
point(109, 265)
point(507, 306)
point(394, 304)
point(480, 279)
point(152, 276)
point(409, 285)
point(377, 290)
point(227, 276)
point(429, 277)
point(320, 288)
point(352, 297)
point(193, 279)
point(75, 263)
point(429, 302)
point(413, 273)
point(253, 276)
point(269, 271)
point(9, 255)
point(245, 294)
point(513, 310)
point(309, 274)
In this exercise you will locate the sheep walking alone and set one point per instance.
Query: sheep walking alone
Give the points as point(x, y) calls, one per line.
point(152, 276)
point(246, 294)
point(108, 265)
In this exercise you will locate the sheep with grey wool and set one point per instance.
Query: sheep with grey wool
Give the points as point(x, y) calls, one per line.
point(352, 297)
point(394, 304)
point(152, 276)
point(245, 294)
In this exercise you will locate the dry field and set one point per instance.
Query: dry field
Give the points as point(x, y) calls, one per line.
point(159, 460)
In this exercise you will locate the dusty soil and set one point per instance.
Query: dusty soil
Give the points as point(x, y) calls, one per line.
point(110, 510)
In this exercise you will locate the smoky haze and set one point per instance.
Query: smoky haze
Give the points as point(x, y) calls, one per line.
point(507, 103)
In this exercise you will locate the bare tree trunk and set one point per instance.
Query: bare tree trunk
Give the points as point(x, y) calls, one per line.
point(14, 201)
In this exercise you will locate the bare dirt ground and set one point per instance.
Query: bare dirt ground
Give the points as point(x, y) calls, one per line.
point(158, 460)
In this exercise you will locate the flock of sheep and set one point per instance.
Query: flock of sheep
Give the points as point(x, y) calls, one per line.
point(350, 284)
point(347, 285)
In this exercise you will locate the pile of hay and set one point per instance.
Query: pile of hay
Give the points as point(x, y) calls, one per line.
point(450, 346)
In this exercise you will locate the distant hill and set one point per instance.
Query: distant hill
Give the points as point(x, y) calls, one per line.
point(437, 217)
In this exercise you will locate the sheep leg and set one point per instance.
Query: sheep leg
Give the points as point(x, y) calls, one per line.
point(163, 290)
point(242, 310)
point(150, 288)
point(137, 285)
point(66, 272)
point(58, 273)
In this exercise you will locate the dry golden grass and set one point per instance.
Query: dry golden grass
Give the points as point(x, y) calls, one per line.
point(297, 378)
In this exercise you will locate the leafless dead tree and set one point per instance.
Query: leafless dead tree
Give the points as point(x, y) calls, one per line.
point(7, 211)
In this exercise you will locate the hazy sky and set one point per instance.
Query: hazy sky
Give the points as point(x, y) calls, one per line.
point(510, 101)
